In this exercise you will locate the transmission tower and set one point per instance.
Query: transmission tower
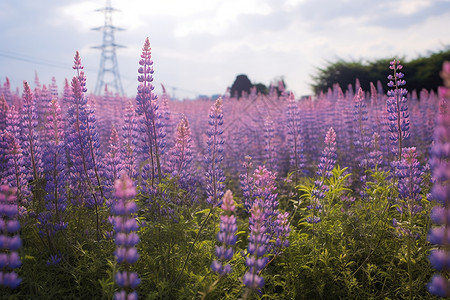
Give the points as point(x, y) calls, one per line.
point(108, 73)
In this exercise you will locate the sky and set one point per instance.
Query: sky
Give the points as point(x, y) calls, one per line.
point(200, 46)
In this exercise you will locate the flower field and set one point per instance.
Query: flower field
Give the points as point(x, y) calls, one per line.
point(343, 195)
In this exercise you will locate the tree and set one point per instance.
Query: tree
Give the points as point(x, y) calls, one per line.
point(240, 84)
point(422, 72)
point(261, 88)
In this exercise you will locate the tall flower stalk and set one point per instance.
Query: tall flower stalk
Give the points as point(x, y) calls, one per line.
point(247, 182)
point(129, 138)
point(52, 219)
point(325, 167)
point(32, 152)
point(214, 155)
point(10, 241)
point(361, 130)
point(440, 164)
point(294, 138)
point(113, 163)
point(180, 162)
point(214, 174)
point(16, 175)
point(226, 236)
point(152, 128)
point(270, 154)
point(257, 246)
point(409, 181)
point(397, 109)
point(126, 237)
point(82, 143)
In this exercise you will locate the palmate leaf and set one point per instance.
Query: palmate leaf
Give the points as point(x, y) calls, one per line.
point(306, 189)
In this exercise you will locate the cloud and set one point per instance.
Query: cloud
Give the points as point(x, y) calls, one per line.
point(408, 14)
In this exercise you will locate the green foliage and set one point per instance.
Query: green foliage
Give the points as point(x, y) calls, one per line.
point(421, 73)
point(355, 252)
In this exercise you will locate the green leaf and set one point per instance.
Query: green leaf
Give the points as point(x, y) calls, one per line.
point(205, 211)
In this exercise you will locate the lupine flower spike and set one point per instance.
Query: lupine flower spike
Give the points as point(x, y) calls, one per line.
point(257, 246)
point(325, 167)
point(294, 138)
point(10, 241)
point(440, 164)
point(32, 152)
point(214, 155)
point(226, 236)
point(130, 141)
point(152, 128)
point(54, 158)
point(125, 227)
point(397, 109)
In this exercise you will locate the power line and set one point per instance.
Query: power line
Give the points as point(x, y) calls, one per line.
point(35, 60)
point(45, 62)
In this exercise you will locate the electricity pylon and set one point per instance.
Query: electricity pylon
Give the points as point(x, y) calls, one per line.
point(108, 73)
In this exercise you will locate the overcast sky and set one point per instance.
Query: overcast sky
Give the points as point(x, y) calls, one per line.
point(200, 46)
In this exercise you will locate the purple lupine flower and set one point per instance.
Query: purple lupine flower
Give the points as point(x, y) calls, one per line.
point(130, 136)
point(53, 87)
point(3, 112)
point(329, 155)
point(265, 189)
point(261, 187)
point(440, 164)
point(66, 99)
point(325, 167)
point(89, 125)
point(94, 148)
point(215, 177)
point(166, 115)
point(361, 139)
point(294, 137)
point(439, 286)
point(80, 74)
point(54, 161)
point(181, 153)
point(31, 150)
point(3, 122)
point(397, 109)
point(257, 245)
point(126, 237)
point(113, 163)
point(360, 116)
point(226, 236)
point(152, 128)
point(42, 106)
point(83, 145)
point(16, 175)
point(6, 91)
point(270, 154)
point(246, 181)
point(375, 157)
point(77, 146)
point(281, 231)
point(10, 241)
point(54, 259)
point(409, 179)
point(180, 162)
point(37, 82)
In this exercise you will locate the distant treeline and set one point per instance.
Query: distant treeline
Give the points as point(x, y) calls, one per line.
point(420, 73)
